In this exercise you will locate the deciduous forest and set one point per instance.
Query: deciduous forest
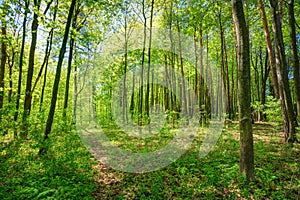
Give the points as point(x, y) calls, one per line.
point(149, 99)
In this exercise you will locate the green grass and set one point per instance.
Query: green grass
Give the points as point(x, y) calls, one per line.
point(64, 172)
point(68, 171)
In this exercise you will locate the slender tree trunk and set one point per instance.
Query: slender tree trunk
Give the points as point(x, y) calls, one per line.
point(49, 43)
point(141, 91)
point(294, 50)
point(232, 92)
point(21, 59)
point(124, 100)
point(264, 77)
point(183, 88)
point(166, 90)
point(11, 63)
point(149, 63)
point(246, 137)
point(34, 30)
point(229, 101)
point(75, 100)
point(209, 79)
point(201, 77)
point(69, 68)
point(274, 78)
point(196, 64)
point(66, 98)
point(58, 74)
point(3, 56)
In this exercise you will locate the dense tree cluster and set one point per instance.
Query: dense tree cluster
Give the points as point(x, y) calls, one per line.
point(254, 44)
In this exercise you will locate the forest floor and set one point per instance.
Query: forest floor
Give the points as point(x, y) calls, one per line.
point(68, 171)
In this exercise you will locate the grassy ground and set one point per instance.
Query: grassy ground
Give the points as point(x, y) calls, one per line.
point(68, 171)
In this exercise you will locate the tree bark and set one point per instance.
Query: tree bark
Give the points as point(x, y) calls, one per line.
point(294, 50)
point(246, 137)
point(183, 88)
point(274, 78)
point(282, 75)
point(49, 45)
point(69, 68)
point(34, 28)
point(21, 59)
point(141, 91)
point(3, 56)
point(58, 73)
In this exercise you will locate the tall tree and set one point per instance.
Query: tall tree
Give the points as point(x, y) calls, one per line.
point(282, 75)
point(3, 53)
point(47, 54)
point(75, 28)
point(149, 62)
point(26, 10)
point(34, 30)
point(34, 35)
point(58, 74)
point(246, 136)
point(273, 75)
point(294, 50)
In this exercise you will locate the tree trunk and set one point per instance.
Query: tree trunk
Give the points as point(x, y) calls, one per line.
point(294, 50)
point(34, 29)
point(149, 63)
point(69, 68)
point(11, 63)
point(264, 77)
point(183, 88)
point(282, 74)
point(246, 137)
point(21, 59)
point(274, 78)
point(141, 91)
point(58, 73)
point(49, 45)
point(3, 57)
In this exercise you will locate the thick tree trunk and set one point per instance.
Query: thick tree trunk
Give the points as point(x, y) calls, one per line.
point(58, 73)
point(246, 137)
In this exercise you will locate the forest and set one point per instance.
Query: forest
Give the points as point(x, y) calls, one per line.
point(149, 99)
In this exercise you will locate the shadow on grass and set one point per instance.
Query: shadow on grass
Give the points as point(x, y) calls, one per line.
point(214, 177)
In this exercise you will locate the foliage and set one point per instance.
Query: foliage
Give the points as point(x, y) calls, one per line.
point(63, 173)
point(273, 109)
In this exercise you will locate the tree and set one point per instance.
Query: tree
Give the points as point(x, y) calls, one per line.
point(294, 50)
point(3, 54)
point(246, 137)
point(282, 75)
point(34, 30)
point(26, 8)
point(58, 74)
point(269, 49)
